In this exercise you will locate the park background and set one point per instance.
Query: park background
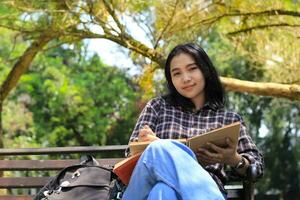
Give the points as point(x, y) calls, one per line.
point(77, 73)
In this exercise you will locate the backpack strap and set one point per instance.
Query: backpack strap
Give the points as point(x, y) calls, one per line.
point(88, 160)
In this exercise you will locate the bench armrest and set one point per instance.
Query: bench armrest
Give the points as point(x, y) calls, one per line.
point(249, 182)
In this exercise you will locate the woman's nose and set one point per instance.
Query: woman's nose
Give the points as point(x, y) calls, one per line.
point(186, 78)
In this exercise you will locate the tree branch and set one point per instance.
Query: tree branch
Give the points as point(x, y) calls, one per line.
point(22, 65)
point(128, 42)
point(166, 26)
point(268, 13)
point(265, 26)
point(114, 16)
point(291, 92)
point(212, 20)
point(276, 12)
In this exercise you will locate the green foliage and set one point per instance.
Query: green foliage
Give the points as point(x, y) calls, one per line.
point(279, 140)
point(11, 47)
point(18, 126)
point(74, 103)
point(139, 6)
point(282, 156)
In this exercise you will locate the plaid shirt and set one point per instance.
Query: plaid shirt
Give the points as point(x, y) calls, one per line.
point(169, 122)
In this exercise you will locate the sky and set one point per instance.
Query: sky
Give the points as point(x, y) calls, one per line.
point(112, 54)
point(115, 55)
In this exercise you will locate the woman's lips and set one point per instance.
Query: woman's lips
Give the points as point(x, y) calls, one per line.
point(188, 87)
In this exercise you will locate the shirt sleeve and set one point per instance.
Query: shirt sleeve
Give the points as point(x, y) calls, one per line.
point(148, 116)
point(248, 149)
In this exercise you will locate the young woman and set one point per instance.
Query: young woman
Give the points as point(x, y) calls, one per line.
point(195, 104)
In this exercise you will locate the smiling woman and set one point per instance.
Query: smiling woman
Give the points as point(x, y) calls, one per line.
point(195, 104)
point(188, 79)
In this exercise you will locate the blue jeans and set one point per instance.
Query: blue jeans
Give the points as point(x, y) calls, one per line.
point(168, 170)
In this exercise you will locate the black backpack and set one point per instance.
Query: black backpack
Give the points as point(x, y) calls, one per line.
point(85, 181)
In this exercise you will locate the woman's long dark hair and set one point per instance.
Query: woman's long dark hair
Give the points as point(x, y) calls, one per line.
point(214, 92)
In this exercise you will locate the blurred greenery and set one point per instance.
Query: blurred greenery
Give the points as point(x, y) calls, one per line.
point(273, 123)
point(69, 98)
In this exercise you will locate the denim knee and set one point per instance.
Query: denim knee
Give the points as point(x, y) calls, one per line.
point(164, 145)
point(160, 144)
point(162, 191)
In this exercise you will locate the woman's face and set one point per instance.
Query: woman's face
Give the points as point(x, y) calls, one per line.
point(187, 77)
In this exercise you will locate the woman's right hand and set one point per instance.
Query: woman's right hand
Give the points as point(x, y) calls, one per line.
point(146, 134)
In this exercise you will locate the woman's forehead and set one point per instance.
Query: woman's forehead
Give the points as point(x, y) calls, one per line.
point(182, 60)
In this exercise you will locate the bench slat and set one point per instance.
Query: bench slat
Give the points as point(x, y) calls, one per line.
point(38, 182)
point(61, 150)
point(23, 182)
point(43, 165)
point(16, 197)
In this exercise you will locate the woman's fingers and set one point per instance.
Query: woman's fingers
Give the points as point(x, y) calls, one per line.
point(143, 135)
point(208, 156)
point(148, 130)
point(230, 143)
point(146, 134)
point(215, 147)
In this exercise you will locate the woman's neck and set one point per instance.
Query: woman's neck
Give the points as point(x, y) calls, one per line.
point(198, 102)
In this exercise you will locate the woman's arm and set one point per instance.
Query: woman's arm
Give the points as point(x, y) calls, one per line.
point(148, 117)
point(146, 123)
point(239, 158)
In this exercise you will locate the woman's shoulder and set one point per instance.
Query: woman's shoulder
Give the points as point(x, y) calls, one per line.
point(230, 115)
point(157, 101)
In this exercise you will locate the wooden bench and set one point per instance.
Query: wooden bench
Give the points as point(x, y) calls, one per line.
point(25, 164)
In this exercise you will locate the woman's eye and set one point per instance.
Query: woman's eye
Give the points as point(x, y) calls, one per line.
point(176, 74)
point(193, 68)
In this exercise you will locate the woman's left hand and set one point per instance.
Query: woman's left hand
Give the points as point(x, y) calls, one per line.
point(227, 155)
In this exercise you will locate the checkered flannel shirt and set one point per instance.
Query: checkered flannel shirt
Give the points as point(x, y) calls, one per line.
point(170, 122)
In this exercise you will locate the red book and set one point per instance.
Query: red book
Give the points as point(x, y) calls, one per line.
point(125, 168)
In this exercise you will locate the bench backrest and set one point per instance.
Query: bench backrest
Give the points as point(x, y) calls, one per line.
point(31, 162)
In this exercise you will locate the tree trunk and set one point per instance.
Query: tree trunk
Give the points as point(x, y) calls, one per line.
point(22, 65)
point(1, 139)
point(18, 70)
point(1, 127)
